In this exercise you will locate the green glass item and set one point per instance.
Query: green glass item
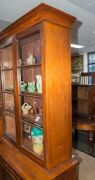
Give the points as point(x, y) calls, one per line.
point(23, 86)
point(31, 87)
point(37, 140)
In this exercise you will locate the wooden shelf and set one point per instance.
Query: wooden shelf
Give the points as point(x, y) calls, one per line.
point(11, 136)
point(31, 94)
point(31, 123)
point(9, 111)
point(28, 148)
point(9, 114)
point(30, 119)
point(7, 69)
point(83, 85)
point(8, 91)
point(29, 66)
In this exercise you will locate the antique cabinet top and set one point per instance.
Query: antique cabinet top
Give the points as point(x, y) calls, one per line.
point(42, 12)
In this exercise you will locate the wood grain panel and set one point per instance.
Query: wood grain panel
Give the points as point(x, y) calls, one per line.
point(57, 94)
point(29, 170)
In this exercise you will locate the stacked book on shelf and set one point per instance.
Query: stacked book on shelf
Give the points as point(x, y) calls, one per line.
point(86, 80)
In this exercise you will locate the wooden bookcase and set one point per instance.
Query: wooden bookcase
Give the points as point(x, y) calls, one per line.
point(83, 95)
point(36, 93)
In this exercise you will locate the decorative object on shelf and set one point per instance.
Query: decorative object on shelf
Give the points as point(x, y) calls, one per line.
point(37, 119)
point(9, 106)
point(9, 88)
point(76, 78)
point(32, 111)
point(19, 62)
point(38, 59)
point(31, 87)
point(37, 140)
point(23, 86)
point(27, 128)
point(36, 109)
point(6, 65)
point(39, 83)
point(25, 108)
point(77, 63)
point(87, 78)
point(31, 59)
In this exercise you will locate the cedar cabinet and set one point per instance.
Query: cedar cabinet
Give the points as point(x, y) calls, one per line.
point(36, 89)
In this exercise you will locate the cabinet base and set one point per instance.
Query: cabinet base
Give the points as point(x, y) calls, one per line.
point(18, 166)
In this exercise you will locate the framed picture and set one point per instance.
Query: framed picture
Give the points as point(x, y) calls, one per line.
point(77, 63)
point(27, 128)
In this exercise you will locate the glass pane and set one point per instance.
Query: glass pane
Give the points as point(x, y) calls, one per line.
point(6, 57)
point(32, 138)
point(30, 92)
point(92, 68)
point(29, 50)
point(10, 128)
point(7, 80)
point(31, 80)
point(9, 102)
point(31, 110)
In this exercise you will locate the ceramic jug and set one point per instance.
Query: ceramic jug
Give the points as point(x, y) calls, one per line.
point(39, 83)
point(25, 108)
point(37, 140)
point(31, 87)
point(23, 86)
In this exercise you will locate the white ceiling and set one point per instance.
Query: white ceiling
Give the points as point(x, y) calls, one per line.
point(84, 10)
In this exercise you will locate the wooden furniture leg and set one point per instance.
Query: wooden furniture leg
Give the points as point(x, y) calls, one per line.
point(91, 141)
point(76, 134)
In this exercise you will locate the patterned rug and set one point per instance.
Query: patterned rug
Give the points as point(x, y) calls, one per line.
point(82, 143)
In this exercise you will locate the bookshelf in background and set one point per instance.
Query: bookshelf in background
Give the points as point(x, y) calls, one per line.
point(83, 95)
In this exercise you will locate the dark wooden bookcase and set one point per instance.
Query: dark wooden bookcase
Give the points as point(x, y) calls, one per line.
point(83, 95)
point(36, 74)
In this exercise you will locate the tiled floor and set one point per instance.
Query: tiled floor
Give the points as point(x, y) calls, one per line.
point(86, 167)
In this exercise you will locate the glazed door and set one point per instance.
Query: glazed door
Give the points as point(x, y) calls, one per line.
point(29, 68)
point(7, 76)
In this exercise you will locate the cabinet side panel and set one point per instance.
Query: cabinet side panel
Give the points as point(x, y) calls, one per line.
point(58, 141)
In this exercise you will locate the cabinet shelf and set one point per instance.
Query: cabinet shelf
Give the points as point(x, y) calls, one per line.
point(29, 66)
point(30, 150)
point(8, 91)
point(9, 111)
point(31, 123)
point(83, 85)
point(80, 99)
point(7, 69)
point(31, 94)
point(10, 136)
point(9, 114)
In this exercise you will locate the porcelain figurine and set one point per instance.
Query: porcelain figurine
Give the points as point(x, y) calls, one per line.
point(25, 108)
point(31, 59)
